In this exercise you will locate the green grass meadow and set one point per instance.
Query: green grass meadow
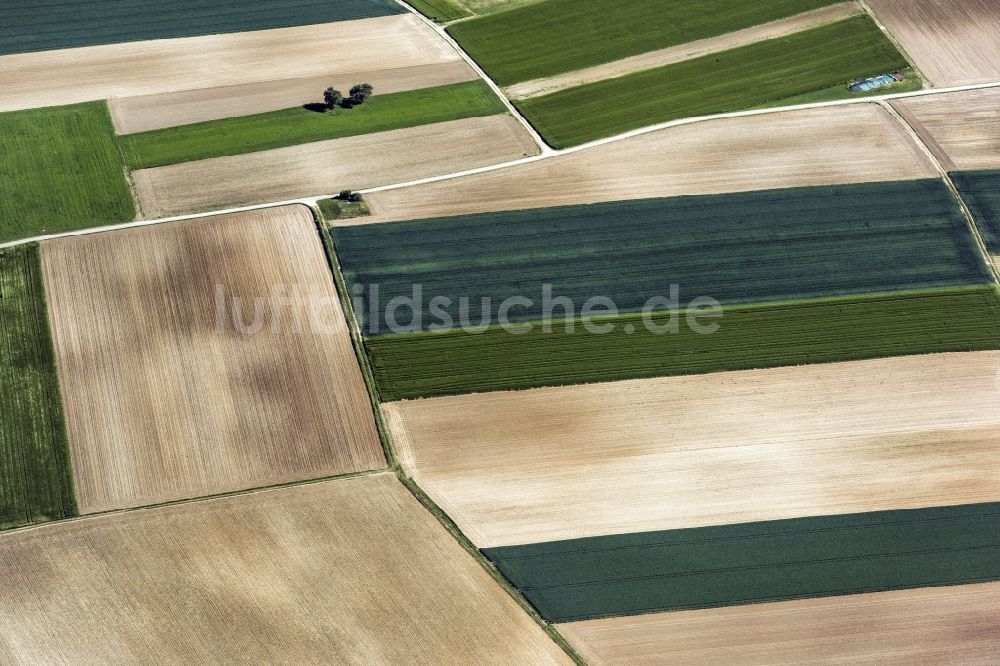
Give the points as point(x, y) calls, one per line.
point(415, 365)
point(60, 171)
point(277, 129)
point(35, 473)
point(733, 80)
point(755, 562)
point(547, 38)
point(441, 11)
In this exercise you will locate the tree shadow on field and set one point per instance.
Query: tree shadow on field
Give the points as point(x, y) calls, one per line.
point(317, 107)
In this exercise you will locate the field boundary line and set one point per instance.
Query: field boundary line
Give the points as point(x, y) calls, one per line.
point(895, 42)
point(311, 201)
point(970, 220)
point(544, 147)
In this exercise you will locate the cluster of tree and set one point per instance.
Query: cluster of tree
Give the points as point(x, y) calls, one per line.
point(358, 94)
point(351, 196)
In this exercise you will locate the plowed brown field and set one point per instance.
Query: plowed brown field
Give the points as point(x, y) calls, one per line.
point(963, 127)
point(326, 167)
point(49, 78)
point(852, 144)
point(568, 462)
point(166, 398)
point(941, 625)
point(952, 42)
point(346, 571)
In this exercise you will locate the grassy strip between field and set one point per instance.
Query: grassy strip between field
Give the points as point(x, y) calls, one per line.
point(441, 11)
point(754, 562)
point(288, 127)
point(337, 209)
point(556, 36)
point(419, 365)
point(733, 80)
point(911, 83)
point(60, 171)
point(30, 25)
point(751, 247)
point(981, 192)
point(36, 482)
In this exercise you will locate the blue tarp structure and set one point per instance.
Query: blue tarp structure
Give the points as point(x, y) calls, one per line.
point(873, 82)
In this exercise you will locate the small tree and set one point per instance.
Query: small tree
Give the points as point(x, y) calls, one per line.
point(332, 97)
point(350, 195)
point(361, 92)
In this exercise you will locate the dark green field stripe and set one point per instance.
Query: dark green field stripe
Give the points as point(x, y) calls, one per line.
point(772, 245)
point(39, 25)
point(754, 562)
point(851, 328)
point(981, 192)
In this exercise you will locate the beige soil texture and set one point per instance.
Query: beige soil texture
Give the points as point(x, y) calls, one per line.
point(325, 167)
point(568, 462)
point(174, 389)
point(732, 40)
point(952, 42)
point(346, 571)
point(963, 128)
point(149, 112)
point(50, 78)
point(851, 144)
point(941, 625)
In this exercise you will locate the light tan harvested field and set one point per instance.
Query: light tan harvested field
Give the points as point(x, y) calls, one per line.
point(326, 167)
point(167, 399)
point(952, 42)
point(940, 625)
point(701, 47)
point(728, 155)
point(149, 112)
point(963, 127)
point(346, 571)
point(632, 456)
point(50, 78)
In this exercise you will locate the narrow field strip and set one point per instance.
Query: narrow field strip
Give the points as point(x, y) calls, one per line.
point(770, 245)
point(981, 192)
point(289, 127)
point(548, 38)
point(60, 171)
point(731, 80)
point(954, 624)
point(758, 562)
point(36, 483)
point(332, 572)
point(72, 23)
point(416, 365)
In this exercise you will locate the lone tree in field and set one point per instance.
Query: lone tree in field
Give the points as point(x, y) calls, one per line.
point(361, 92)
point(332, 97)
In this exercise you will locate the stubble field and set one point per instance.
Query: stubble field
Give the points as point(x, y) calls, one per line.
point(963, 128)
point(166, 398)
point(344, 571)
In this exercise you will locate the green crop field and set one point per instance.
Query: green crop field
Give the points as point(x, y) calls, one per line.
point(35, 478)
point(755, 562)
point(59, 171)
point(264, 131)
point(981, 192)
point(772, 245)
point(414, 365)
point(733, 80)
point(440, 10)
point(555, 36)
point(39, 25)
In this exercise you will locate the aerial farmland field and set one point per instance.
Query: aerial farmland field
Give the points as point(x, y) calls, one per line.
point(35, 481)
point(330, 572)
point(167, 396)
point(715, 449)
point(981, 191)
point(961, 127)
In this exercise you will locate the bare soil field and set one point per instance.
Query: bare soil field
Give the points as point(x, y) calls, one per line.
point(939, 625)
point(174, 389)
point(952, 42)
point(50, 78)
point(325, 167)
point(687, 51)
point(346, 571)
point(727, 155)
point(963, 128)
point(597, 459)
point(149, 112)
